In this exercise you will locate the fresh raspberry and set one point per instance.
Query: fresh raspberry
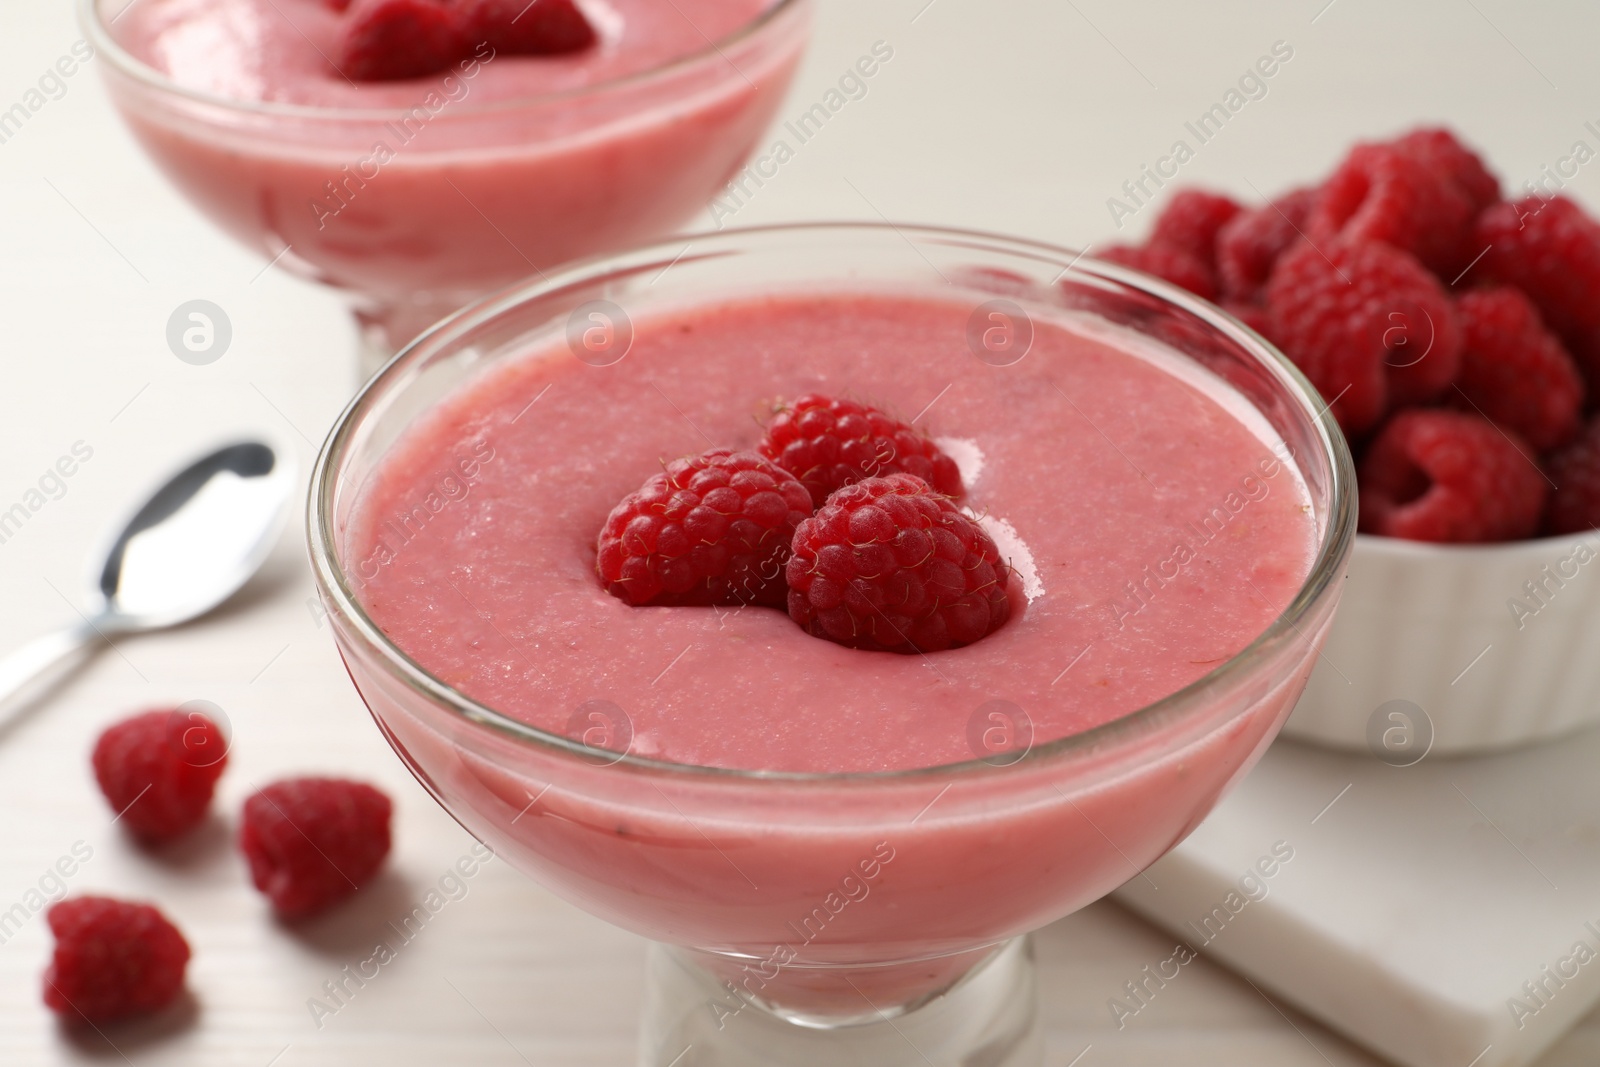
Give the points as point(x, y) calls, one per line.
point(1367, 324)
point(518, 28)
point(1250, 244)
point(158, 771)
point(391, 40)
point(113, 959)
point(1167, 263)
point(828, 444)
point(710, 529)
point(1385, 193)
point(1190, 223)
point(311, 842)
point(1550, 249)
point(1252, 315)
point(890, 565)
point(1441, 153)
point(1435, 475)
point(1575, 501)
point(1514, 371)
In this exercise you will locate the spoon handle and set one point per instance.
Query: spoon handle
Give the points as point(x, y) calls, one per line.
point(39, 655)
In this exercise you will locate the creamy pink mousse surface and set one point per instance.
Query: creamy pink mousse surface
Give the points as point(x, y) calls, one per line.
point(1156, 533)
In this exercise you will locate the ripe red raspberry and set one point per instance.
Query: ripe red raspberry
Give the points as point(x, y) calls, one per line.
point(390, 40)
point(1190, 223)
point(311, 842)
point(1575, 501)
point(159, 769)
point(710, 529)
point(1441, 153)
point(1252, 315)
point(1167, 263)
point(1550, 249)
point(890, 565)
point(828, 444)
point(1385, 193)
point(1250, 244)
point(112, 959)
point(1367, 324)
point(1434, 475)
point(1514, 371)
point(521, 28)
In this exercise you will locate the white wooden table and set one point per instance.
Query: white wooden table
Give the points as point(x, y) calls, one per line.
point(1017, 115)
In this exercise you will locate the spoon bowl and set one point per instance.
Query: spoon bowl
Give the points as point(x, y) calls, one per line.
point(190, 546)
point(198, 538)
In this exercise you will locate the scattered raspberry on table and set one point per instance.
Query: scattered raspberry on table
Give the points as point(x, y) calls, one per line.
point(888, 564)
point(311, 842)
point(710, 529)
point(829, 443)
point(158, 771)
point(112, 960)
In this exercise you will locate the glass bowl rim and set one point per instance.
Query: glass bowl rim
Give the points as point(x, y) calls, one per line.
point(106, 45)
point(1337, 540)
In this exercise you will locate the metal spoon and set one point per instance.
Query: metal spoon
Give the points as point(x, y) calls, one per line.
point(193, 543)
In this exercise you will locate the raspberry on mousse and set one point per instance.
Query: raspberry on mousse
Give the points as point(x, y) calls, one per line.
point(521, 28)
point(392, 40)
point(829, 443)
point(710, 529)
point(888, 564)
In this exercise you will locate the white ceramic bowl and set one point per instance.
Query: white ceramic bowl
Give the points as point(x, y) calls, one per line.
point(1459, 648)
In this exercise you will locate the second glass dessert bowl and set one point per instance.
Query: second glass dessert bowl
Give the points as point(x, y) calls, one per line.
point(862, 917)
point(416, 208)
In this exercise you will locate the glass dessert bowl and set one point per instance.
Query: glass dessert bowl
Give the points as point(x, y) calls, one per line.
point(416, 197)
point(842, 865)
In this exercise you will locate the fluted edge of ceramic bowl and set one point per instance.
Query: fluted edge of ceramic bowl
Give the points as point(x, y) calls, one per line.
point(1497, 645)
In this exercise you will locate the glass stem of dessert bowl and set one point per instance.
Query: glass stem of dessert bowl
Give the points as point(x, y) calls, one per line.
point(831, 916)
point(988, 1017)
point(417, 197)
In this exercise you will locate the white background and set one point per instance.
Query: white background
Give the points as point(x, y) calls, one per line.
point(1021, 116)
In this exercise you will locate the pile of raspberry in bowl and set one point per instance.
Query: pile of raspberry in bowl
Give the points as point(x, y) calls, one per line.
point(1455, 333)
